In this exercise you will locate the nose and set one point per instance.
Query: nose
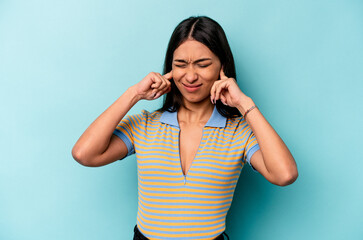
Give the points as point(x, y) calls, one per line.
point(191, 75)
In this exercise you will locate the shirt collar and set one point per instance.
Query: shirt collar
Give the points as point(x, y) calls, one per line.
point(215, 120)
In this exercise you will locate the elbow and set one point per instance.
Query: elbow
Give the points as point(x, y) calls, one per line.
point(78, 155)
point(287, 178)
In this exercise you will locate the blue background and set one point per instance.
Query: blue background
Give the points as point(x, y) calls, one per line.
point(62, 63)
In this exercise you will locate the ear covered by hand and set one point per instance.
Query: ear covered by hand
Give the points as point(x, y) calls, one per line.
point(154, 85)
point(226, 90)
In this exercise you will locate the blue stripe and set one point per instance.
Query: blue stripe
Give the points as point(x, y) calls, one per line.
point(228, 188)
point(159, 154)
point(166, 192)
point(225, 164)
point(229, 181)
point(181, 227)
point(189, 210)
point(214, 174)
point(205, 168)
point(189, 179)
point(151, 145)
point(183, 198)
point(159, 170)
point(187, 204)
point(217, 154)
point(126, 140)
point(218, 159)
point(177, 221)
point(186, 232)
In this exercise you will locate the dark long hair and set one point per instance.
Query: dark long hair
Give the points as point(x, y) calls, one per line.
point(207, 31)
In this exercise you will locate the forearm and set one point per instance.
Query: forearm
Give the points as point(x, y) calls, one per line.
point(277, 158)
point(95, 140)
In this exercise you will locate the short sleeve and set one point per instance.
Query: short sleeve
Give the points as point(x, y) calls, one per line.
point(127, 128)
point(251, 147)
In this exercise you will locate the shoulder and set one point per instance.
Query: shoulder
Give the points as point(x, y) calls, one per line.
point(151, 116)
point(235, 122)
point(238, 125)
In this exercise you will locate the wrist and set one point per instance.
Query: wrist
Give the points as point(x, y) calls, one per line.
point(245, 104)
point(133, 95)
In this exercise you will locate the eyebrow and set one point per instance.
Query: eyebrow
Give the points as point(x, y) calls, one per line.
point(196, 61)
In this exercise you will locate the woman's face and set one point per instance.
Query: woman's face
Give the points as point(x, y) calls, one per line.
point(195, 69)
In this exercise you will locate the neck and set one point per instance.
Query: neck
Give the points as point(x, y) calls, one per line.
point(195, 113)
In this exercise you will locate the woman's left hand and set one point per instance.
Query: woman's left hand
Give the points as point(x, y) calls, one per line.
point(227, 90)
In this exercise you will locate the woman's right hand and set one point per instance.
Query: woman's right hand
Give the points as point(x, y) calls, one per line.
point(153, 86)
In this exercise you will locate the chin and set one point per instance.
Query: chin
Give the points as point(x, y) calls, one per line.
point(196, 100)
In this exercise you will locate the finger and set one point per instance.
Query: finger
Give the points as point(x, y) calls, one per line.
point(220, 87)
point(154, 92)
point(213, 92)
point(167, 84)
point(169, 75)
point(157, 82)
point(162, 92)
point(223, 99)
point(163, 87)
point(222, 75)
point(164, 81)
point(163, 84)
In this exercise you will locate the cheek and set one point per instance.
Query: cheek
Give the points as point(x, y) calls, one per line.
point(210, 75)
point(177, 73)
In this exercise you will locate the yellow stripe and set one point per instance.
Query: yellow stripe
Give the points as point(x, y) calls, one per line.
point(184, 206)
point(210, 175)
point(179, 223)
point(158, 143)
point(173, 235)
point(164, 178)
point(156, 162)
point(160, 152)
point(215, 166)
point(176, 230)
point(181, 217)
point(211, 186)
point(221, 162)
point(185, 200)
point(212, 181)
point(158, 167)
point(227, 142)
point(215, 171)
point(159, 140)
point(181, 211)
point(162, 147)
point(183, 195)
point(214, 150)
point(174, 184)
point(160, 173)
point(172, 190)
point(178, 184)
point(160, 157)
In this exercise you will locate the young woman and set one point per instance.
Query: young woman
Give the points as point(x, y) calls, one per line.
point(190, 152)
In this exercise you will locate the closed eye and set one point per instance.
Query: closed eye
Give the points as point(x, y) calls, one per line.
point(180, 66)
point(203, 65)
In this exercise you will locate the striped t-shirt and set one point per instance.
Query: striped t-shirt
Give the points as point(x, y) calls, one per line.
point(172, 205)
